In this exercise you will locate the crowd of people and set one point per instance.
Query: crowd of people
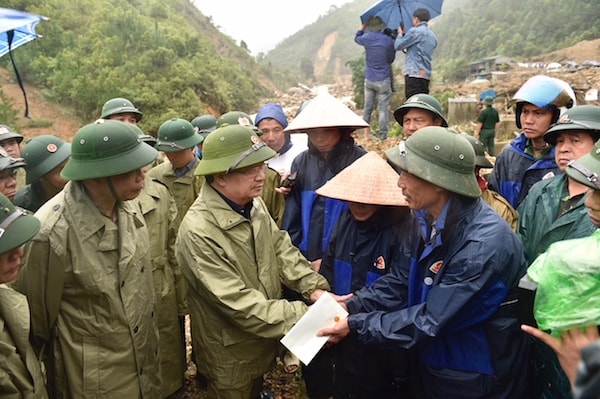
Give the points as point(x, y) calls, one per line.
point(107, 243)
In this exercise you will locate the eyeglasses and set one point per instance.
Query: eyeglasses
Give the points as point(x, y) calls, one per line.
point(252, 171)
point(590, 176)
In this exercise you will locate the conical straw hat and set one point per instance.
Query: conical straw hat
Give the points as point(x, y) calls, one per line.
point(326, 111)
point(368, 180)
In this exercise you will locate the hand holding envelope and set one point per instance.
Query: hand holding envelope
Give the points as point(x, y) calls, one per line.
point(304, 340)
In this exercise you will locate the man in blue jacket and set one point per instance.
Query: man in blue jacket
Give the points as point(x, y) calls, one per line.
point(379, 54)
point(418, 43)
point(528, 158)
point(455, 303)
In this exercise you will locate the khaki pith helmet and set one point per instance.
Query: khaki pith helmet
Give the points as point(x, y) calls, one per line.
point(232, 147)
point(107, 148)
point(439, 156)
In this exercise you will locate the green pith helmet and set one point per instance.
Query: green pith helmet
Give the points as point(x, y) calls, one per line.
point(177, 135)
point(235, 118)
point(582, 117)
point(439, 156)
point(478, 147)
point(8, 162)
point(232, 147)
point(586, 170)
point(489, 100)
point(204, 124)
point(7, 133)
point(42, 154)
point(107, 148)
point(420, 101)
point(119, 105)
point(16, 226)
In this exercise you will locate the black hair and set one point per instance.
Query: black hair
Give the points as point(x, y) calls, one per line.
point(422, 14)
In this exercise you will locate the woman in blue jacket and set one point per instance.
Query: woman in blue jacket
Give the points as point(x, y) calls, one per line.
point(367, 239)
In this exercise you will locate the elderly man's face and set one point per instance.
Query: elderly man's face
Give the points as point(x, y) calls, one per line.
point(417, 118)
point(571, 145)
point(419, 194)
point(243, 185)
point(10, 263)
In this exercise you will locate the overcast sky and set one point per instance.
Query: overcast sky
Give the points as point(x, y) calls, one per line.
point(262, 24)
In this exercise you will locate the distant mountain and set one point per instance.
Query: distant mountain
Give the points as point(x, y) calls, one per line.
point(467, 30)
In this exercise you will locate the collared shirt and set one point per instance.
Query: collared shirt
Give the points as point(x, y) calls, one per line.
point(418, 43)
point(182, 171)
point(242, 210)
point(380, 54)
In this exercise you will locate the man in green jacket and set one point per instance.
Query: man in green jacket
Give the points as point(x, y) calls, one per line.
point(20, 372)
point(235, 258)
point(554, 210)
point(88, 274)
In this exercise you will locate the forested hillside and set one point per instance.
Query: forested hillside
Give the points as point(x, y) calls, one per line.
point(164, 55)
point(467, 30)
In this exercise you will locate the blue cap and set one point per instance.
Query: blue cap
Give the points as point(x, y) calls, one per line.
point(271, 110)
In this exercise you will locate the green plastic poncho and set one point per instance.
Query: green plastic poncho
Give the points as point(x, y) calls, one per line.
point(568, 279)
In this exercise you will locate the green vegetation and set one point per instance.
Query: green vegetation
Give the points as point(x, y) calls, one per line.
point(165, 56)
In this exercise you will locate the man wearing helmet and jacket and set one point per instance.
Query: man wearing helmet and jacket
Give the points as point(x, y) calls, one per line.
point(88, 276)
point(121, 109)
point(419, 111)
point(203, 125)
point(10, 141)
point(528, 158)
point(177, 139)
point(8, 174)
point(46, 156)
point(453, 299)
point(234, 258)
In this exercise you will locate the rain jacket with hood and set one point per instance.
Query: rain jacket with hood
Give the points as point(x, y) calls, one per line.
point(20, 371)
point(160, 213)
point(539, 225)
point(309, 218)
point(234, 268)
point(515, 171)
point(89, 286)
point(455, 304)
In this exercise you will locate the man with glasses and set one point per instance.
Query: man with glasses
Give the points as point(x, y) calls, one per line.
point(8, 174)
point(235, 258)
point(177, 139)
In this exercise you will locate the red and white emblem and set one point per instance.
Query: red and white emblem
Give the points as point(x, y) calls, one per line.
point(254, 139)
point(380, 263)
point(51, 148)
point(436, 266)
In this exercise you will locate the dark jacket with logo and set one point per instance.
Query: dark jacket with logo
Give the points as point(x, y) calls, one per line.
point(360, 252)
point(455, 303)
point(309, 218)
point(515, 171)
